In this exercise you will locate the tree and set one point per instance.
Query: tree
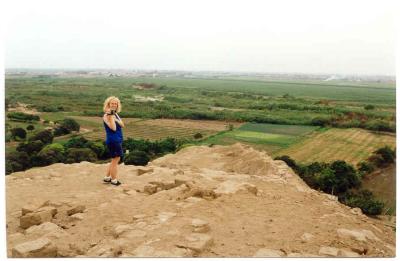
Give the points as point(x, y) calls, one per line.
point(346, 176)
point(30, 147)
point(364, 200)
point(289, 161)
point(30, 127)
point(70, 124)
point(136, 158)
point(97, 147)
point(50, 154)
point(45, 136)
point(18, 133)
point(320, 121)
point(198, 135)
point(80, 154)
point(369, 107)
point(60, 130)
point(76, 142)
point(19, 159)
point(388, 155)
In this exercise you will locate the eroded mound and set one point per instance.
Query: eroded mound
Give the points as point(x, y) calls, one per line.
point(220, 201)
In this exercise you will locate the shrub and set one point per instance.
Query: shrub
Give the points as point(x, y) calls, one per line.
point(97, 147)
point(30, 127)
point(18, 133)
point(45, 136)
point(76, 142)
point(346, 176)
point(20, 157)
point(198, 135)
point(388, 155)
point(136, 158)
point(69, 124)
point(20, 116)
point(49, 155)
point(80, 154)
point(289, 161)
point(364, 200)
point(365, 167)
point(320, 121)
point(30, 147)
point(369, 107)
point(60, 130)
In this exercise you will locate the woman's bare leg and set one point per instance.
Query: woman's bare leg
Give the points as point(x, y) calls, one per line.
point(108, 170)
point(113, 169)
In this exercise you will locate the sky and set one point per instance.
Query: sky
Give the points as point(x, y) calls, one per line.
point(307, 36)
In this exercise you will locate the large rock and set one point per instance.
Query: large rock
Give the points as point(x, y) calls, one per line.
point(197, 242)
point(75, 209)
point(48, 230)
point(359, 235)
point(233, 186)
point(41, 247)
point(306, 237)
point(347, 253)
point(35, 218)
point(120, 229)
point(200, 226)
point(328, 251)
point(34, 206)
point(266, 252)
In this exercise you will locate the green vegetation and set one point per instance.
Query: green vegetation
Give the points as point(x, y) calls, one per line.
point(340, 179)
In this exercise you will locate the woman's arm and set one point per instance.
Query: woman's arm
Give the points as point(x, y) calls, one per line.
point(118, 119)
point(110, 121)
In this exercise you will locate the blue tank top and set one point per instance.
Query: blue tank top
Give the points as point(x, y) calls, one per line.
point(113, 136)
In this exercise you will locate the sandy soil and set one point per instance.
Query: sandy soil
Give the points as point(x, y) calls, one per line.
point(219, 201)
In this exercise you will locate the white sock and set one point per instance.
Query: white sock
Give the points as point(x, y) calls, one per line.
point(107, 178)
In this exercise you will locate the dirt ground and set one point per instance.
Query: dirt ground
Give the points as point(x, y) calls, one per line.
point(219, 201)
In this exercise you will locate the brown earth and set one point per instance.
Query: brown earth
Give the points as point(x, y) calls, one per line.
point(220, 201)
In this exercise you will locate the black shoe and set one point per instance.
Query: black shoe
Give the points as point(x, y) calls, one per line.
point(107, 180)
point(116, 183)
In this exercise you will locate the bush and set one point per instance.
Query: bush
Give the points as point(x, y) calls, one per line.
point(13, 166)
point(80, 154)
point(364, 200)
point(30, 147)
point(380, 125)
point(18, 133)
point(320, 121)
point(60, 130)
point(136, 158)
point(198, 135)
point(97, 147)
point(45, 136)
point(20, 116)
point(69, 124)
point(369, 107)
point(289, 161)
point(346, 176)
point(56, 146)
point(76, 142)
point(49, 155)
point(19, 159)
point(30, 127)
point(365, 167)
point(388, 155)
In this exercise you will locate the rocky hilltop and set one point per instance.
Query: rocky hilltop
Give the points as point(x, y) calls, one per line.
point(219, 201)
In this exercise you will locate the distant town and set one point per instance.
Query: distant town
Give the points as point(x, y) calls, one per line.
point(90, 73)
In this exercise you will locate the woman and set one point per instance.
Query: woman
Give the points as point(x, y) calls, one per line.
point(113, 126)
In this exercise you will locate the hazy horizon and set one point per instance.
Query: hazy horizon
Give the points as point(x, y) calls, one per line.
point(292, 37)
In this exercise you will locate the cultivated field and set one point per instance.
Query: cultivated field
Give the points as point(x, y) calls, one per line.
point(352, 145)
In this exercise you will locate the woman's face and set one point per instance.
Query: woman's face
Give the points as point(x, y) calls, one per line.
point(113, 105)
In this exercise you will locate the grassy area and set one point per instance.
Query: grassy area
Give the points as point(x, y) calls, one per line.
point(352, 145)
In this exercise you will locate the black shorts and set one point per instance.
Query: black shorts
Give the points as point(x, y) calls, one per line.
point(115, 149)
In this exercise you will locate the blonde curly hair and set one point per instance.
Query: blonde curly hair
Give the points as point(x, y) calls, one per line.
point(107, 103)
